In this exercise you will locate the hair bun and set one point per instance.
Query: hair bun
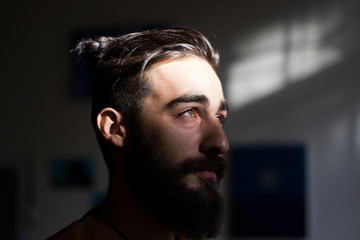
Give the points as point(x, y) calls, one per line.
point(92, 50)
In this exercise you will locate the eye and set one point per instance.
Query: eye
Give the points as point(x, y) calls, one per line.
point(221, 119)
point(189, 113)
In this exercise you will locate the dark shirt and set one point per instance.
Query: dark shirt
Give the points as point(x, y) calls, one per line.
point(90, 227)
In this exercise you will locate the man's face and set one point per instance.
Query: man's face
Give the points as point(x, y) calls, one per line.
point(185, 113)
point(177, 147)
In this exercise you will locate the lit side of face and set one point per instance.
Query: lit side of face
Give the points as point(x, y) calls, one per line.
point(185, 113)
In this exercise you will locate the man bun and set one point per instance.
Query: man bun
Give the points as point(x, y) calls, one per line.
point(92, 50)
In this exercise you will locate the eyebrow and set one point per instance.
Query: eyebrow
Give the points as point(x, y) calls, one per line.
point(202, 99)
point(223, 106)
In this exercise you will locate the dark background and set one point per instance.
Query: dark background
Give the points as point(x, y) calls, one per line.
point(290, 71)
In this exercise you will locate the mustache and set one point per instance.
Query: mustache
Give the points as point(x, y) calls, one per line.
point(215, 164)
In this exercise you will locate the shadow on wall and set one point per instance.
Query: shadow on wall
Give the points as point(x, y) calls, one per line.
point(290, 50)
point(311, 102)
point(296, 80)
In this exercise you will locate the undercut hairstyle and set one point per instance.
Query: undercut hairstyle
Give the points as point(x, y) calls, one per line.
point(120, 63)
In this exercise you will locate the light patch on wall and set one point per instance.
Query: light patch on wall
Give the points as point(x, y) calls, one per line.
point(277, 56)
point(254, 77)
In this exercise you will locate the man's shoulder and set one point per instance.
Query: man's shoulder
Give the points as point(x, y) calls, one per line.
point(76, 230)
point(89, 227)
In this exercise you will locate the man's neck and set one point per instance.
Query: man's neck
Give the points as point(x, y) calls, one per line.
point(123, 212)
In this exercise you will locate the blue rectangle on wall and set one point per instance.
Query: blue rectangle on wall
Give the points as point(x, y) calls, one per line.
point(267, 192)
point(72, 172)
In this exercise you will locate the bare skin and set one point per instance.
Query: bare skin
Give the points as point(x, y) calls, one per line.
point(185, 114)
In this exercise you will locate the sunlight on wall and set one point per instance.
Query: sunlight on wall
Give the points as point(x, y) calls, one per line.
point(277, 56)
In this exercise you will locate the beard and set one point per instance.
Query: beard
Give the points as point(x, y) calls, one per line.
point(160, 188)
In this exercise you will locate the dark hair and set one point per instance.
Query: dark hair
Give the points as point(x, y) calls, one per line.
point(120, 63)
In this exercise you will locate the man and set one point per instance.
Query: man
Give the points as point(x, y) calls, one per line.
point(158, 111)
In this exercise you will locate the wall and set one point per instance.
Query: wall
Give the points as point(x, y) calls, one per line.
point(40, 120)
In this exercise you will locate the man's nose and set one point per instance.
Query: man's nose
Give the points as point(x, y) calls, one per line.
point(214, 141)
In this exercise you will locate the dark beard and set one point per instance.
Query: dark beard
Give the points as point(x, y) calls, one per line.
point(159, 187)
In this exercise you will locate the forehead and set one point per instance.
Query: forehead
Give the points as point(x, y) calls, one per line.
point(190, 75)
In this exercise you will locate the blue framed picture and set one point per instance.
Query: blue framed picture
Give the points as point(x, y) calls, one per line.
point(70, 172)
point(267, 191)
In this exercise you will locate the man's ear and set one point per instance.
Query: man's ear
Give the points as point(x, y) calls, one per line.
point(111, 125)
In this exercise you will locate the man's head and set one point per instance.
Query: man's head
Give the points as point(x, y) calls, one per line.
point(164, 82)
point(120, 63)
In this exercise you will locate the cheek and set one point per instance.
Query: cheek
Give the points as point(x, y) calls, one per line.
point(177, 143)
